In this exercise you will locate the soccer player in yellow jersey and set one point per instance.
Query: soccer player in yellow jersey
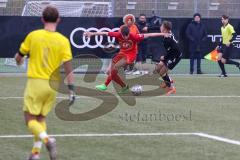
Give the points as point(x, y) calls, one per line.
point(47, 50)
point(226, 45)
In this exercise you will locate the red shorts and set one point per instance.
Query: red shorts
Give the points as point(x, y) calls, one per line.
point(129, 57)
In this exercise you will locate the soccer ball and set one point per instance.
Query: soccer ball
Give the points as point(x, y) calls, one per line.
point(136, 90)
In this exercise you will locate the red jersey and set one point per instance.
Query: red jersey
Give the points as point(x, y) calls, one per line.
point(133, 29)
point(127, 46)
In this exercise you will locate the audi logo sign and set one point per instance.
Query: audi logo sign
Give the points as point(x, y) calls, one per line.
point(98, 39)
point(73, 28)
point(218, 38)
point(111, 41)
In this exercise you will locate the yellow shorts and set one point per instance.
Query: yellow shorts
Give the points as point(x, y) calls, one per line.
point(39, 97)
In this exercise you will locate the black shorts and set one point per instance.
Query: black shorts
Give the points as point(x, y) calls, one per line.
point(172, 62)
point(226, 51)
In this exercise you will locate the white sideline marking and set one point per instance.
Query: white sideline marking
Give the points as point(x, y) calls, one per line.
point(103, 135)
point(217, 138)
point(230, 96)
point(204, 135)
point(186, 75)
point(184, 96)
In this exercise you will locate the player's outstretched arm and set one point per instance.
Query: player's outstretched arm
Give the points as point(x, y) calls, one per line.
point(89, 34)
point(148, 35)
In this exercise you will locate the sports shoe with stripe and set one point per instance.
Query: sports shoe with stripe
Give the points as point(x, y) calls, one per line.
point(52, 148)
point(223, 75)
point(164, 85)
point(101, 87)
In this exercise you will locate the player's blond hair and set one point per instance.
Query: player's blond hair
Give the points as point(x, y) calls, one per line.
point(129, 16)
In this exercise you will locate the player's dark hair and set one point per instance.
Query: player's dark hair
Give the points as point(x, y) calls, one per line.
point(167, 25)
point(125, 30)
point(142, 15)
point(50, 14)
point(225, 16)
point(197, 14)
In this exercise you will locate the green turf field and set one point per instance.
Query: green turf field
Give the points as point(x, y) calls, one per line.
point(206, 105)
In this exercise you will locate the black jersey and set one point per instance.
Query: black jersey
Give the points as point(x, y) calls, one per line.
point(173, 55)
point(171, 46)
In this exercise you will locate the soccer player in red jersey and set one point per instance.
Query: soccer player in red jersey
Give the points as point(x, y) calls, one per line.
point(127, 54)
point(128, 20)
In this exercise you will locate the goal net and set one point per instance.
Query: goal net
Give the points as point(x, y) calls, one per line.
point(66, 9)
point(70, 8)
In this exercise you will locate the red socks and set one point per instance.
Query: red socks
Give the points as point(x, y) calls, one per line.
point(114, 76)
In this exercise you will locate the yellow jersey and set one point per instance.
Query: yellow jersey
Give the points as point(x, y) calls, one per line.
point(47, 51)
point(227, 33)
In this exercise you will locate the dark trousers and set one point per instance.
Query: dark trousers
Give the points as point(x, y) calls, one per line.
point(195, 55)
point(142, 52)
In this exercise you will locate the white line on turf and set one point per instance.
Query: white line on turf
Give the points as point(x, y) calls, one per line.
point(183, 96)
point(103, 135)
point(23, 75)
point(204, 135)
point(217, 138)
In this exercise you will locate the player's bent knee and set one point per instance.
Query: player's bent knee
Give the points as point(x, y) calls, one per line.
point(162, 73)
point(163, 70)
point(223, 60)
point(113, 71)
point(114, 68)
point(40, 118)
point(158, 67)
point(161, 64)
point(219, 56)
point(28, 117)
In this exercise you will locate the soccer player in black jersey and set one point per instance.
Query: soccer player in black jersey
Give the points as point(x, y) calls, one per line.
point(170, 59)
